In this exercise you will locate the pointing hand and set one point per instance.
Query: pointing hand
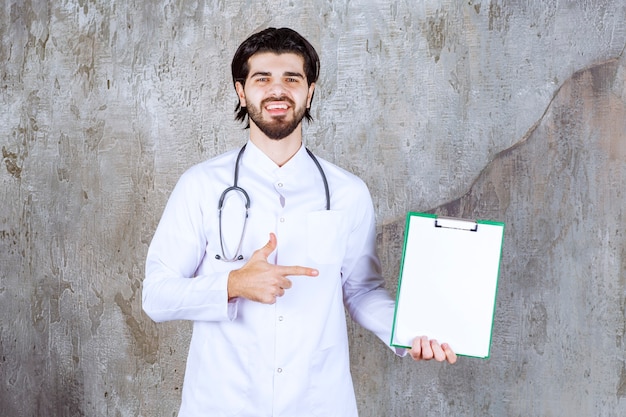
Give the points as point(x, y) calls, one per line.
point(258, 280)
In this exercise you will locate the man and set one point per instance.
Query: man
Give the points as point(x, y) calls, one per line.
point(266, 287)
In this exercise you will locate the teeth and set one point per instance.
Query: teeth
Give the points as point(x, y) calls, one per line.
point(276, 106)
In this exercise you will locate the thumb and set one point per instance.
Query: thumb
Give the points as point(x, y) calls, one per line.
point(266, 250)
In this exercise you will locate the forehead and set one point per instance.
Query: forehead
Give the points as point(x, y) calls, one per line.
point(275, 63)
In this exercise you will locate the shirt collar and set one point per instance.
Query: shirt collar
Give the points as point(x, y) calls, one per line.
point(293, 167)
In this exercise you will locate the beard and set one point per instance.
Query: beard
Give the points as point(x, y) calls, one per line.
point(276, 128)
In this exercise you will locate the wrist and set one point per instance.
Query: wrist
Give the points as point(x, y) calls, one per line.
point(230, 285)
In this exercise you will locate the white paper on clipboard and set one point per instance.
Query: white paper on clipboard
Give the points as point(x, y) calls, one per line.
point(448, 283)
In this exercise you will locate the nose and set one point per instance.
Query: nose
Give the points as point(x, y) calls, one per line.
point(277, 88)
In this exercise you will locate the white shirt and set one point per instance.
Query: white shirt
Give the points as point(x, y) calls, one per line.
point(248, 359)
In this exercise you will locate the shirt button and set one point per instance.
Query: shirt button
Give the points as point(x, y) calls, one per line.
point(280, 318)
point(280, 185)
point(282, 220)
point(279, 370)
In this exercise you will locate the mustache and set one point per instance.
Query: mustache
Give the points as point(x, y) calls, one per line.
point(281, 98)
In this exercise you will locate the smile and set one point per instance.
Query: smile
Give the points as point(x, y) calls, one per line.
point(276, 106)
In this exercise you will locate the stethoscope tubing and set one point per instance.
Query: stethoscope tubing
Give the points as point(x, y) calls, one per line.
point(235, 187)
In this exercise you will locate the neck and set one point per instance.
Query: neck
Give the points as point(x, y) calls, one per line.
point(278, 150)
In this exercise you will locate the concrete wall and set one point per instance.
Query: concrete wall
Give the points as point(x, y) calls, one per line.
point(508, 110)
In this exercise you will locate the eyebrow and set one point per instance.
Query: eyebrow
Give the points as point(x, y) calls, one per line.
point(293, 74)
point(269, 74)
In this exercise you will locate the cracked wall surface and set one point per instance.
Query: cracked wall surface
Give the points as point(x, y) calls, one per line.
point(560, 310)
point(511, 111)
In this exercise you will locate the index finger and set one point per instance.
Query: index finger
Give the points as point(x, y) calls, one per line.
point(297, 270)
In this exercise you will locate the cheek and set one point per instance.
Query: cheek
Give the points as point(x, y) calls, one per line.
point(252, 97)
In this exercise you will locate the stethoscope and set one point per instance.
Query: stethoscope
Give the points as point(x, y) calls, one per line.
point(238, 256)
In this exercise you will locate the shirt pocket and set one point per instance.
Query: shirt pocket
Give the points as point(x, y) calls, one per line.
point(218, 377)
point(331, 392)
point(326, 236)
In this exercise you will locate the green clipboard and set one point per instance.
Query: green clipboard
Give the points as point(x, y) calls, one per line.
point(448, 282)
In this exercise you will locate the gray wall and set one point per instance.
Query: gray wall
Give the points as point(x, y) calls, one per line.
point(508, 110)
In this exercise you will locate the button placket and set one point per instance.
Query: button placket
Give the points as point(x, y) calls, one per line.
point(279, 185)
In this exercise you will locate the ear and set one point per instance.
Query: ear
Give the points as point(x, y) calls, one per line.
point(240, 93)
point(310, 95)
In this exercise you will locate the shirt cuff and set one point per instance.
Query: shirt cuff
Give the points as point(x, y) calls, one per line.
point(232, 309)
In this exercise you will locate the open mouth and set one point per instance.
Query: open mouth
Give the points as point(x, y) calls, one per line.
point(277, 106)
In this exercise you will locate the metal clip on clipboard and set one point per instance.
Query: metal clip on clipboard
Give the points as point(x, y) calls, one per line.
point(454, 223)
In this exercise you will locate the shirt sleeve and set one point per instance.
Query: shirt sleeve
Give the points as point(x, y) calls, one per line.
point(365, 296)
point(171, 290)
